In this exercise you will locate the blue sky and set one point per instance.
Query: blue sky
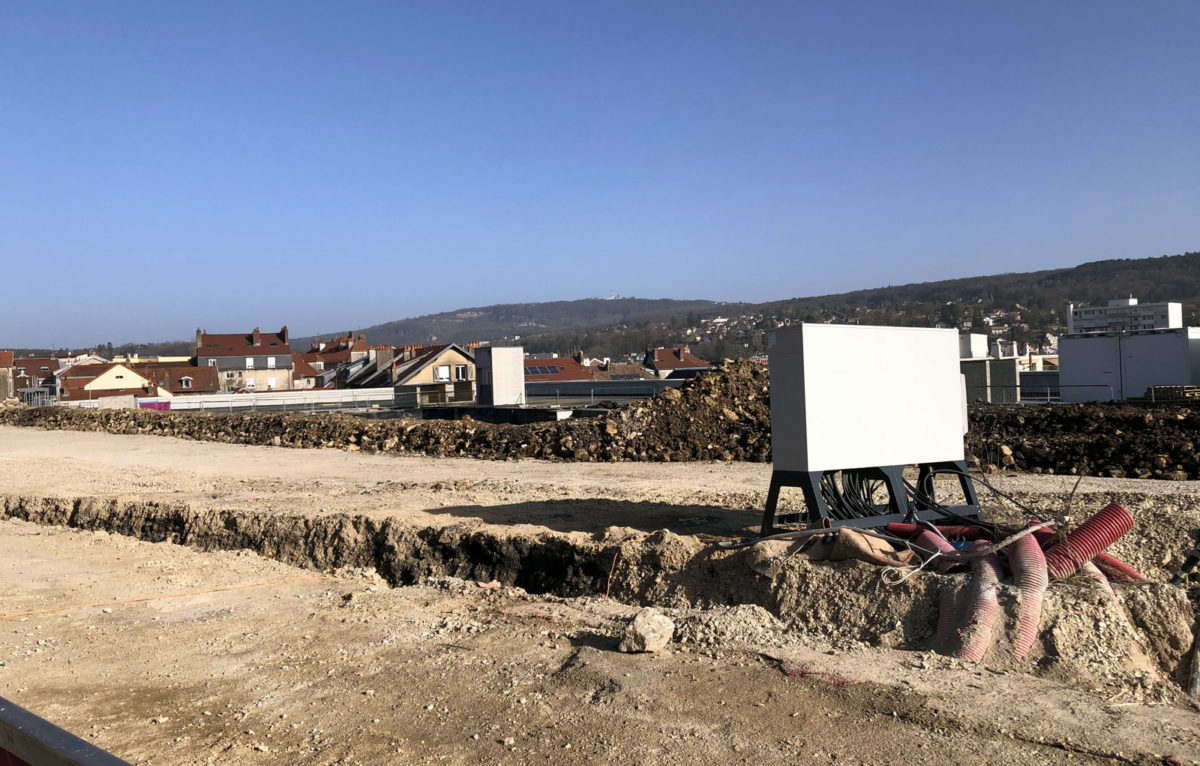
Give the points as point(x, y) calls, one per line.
point(165, 166)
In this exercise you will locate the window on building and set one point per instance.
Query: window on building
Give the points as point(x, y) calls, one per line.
point(249, 382)
point(441, 372)
point(271, 382)
point(249, 363)
point(461, 372)
point(270, 362)
point(212, 362)
point(185, 382)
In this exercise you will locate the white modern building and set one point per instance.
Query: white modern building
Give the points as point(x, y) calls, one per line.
point(1115, 366)
point(1124, 315)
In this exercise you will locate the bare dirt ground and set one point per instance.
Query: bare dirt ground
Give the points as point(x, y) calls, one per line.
point(234, 658)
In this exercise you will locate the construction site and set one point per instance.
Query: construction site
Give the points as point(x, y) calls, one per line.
point(672, 582)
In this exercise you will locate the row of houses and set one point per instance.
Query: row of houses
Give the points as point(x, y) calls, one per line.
point(245, 363)
point(655, 364)
point(258, 362)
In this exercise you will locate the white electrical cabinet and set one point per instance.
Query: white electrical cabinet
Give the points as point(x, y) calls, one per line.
point(853, 396)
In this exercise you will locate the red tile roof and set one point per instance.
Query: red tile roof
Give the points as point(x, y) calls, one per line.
point(301, 368)
point(214, 344)
point(677, 359)
point(73, 383)
point(34, 374)
point(6, 358)
point(170, 376)
point(555, 368)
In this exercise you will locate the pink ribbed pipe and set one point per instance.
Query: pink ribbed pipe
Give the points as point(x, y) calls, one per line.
point(931, 542)
point(984, 606)
point(1029, 575)
point(947, 607)
point(1090, 538)
point(1091, 570)
point(1117, 569)
point(1108, 563)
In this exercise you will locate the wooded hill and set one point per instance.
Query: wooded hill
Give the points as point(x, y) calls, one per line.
point(1041, 297)
point(627, 325)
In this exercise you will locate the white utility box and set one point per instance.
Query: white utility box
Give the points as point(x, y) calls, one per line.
point(853, 396)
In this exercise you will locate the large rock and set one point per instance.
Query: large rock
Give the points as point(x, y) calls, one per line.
point(649, 631)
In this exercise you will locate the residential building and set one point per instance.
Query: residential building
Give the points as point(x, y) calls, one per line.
point(254, 361)
point(307, 376)
point(180, 378)
point(674, 362)
point(421, 375)
point(1125, 314)
point(84, 382)
point(555, 368)
point(325, 355)
point(33, 378)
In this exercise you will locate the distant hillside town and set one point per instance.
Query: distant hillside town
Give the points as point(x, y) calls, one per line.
point(1118, 351)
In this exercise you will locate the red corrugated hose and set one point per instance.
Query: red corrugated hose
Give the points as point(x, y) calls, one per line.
point(1029, 575)
point(1088, 539)
point(984, 606)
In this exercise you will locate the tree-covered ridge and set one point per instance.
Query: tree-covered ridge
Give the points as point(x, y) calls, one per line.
point(512, 319)
point(1026, 306)
point(1034, 303)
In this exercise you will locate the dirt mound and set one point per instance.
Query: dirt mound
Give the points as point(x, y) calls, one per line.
point(1117, 440)
point(721, 415)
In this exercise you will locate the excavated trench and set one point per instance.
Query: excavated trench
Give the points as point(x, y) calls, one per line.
point(1142, 651)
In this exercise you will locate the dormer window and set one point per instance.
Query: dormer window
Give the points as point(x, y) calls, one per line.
point(249, 363)
point(185, 382)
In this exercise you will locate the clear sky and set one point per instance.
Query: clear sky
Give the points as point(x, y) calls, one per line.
point(168, 165)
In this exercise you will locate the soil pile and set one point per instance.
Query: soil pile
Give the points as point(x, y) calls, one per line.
point(1116, 440)
point(722, 415)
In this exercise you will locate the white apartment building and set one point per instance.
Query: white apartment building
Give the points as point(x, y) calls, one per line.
point(1124, 314)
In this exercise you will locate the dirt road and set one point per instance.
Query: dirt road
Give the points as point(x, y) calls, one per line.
point(235, 658)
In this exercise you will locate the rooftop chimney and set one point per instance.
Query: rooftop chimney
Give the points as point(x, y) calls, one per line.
point(255, 337)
